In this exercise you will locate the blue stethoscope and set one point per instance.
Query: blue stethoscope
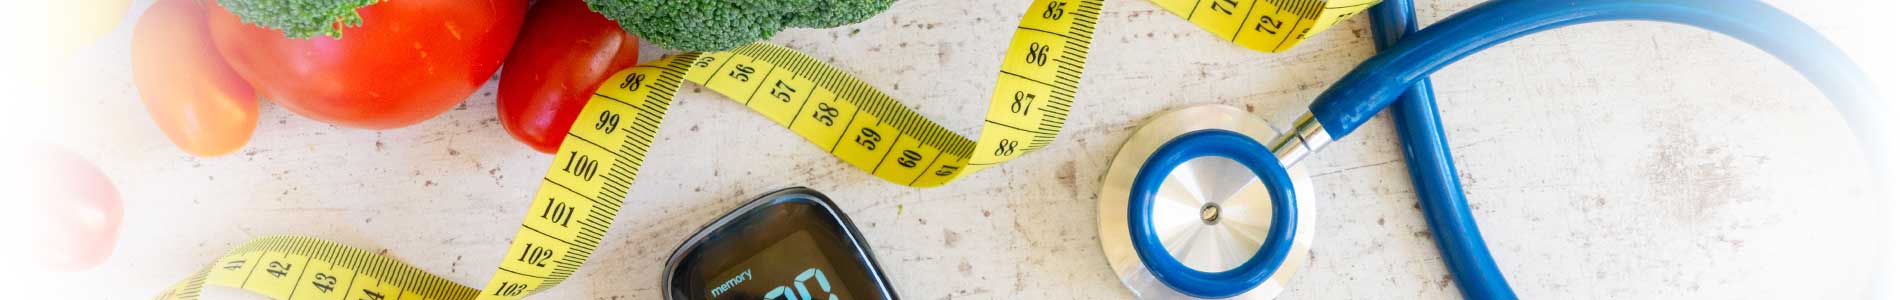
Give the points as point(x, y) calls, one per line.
point(1176, 224)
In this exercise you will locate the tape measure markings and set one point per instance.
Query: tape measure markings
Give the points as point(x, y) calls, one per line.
point(267, 265)
point(188, 289)
point(526, 268)
point(860, 101)
point(572, 210)
point(1279, 26)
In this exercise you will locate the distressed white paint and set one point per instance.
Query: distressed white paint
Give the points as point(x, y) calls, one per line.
point(1624, 160)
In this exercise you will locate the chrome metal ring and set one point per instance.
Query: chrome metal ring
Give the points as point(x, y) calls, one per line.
point(1237, 201)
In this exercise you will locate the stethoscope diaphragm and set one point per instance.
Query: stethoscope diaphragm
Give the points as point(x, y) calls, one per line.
point(1185, 212)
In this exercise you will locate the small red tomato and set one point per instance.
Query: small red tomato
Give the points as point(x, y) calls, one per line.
point(197, 100)
point(564, 52)
point(409, 60)
point(74, 209)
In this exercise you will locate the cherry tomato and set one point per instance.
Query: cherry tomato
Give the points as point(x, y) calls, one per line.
point(75, 209)
point(407, 62)
point(564, 52)
point(198, 101)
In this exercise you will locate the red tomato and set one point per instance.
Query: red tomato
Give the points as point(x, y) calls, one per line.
point(565, 51)
point(407, 62)
point(75, 209)
point(198, 101)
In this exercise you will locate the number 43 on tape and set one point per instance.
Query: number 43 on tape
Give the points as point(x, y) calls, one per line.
point(589, 177)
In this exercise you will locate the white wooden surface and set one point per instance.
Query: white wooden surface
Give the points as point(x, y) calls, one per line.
point(1622, 160)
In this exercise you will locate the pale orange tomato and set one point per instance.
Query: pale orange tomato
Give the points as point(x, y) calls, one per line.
point(200, 103)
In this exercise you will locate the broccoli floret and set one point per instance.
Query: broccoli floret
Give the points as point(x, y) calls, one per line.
point(299, 18)
point(714, 25)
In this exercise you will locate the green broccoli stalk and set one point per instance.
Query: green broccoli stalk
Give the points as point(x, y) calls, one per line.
point(300, 19)
point(714, 25)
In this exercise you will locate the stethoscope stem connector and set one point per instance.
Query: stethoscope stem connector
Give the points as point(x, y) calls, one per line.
point(1306, 137)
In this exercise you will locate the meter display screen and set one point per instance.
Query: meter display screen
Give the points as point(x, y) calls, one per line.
point(792, 244)
point(787, 269)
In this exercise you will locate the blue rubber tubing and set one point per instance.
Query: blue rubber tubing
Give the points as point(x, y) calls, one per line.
point(1434, 175)
point(1380, 80)
point(1198, 283)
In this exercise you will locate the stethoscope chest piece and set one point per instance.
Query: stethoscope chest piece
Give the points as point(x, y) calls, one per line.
point(1194, 206)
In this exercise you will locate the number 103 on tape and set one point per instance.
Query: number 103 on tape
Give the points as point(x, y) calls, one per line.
point(589, 177)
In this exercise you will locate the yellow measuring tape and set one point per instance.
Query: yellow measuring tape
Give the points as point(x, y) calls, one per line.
point(599, 159)
point(1265, 25)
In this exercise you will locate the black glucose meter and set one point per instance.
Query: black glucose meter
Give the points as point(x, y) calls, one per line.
point(792, 244)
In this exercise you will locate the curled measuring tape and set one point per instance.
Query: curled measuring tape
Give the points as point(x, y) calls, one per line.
point(602, 153)
point(1265, 25)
